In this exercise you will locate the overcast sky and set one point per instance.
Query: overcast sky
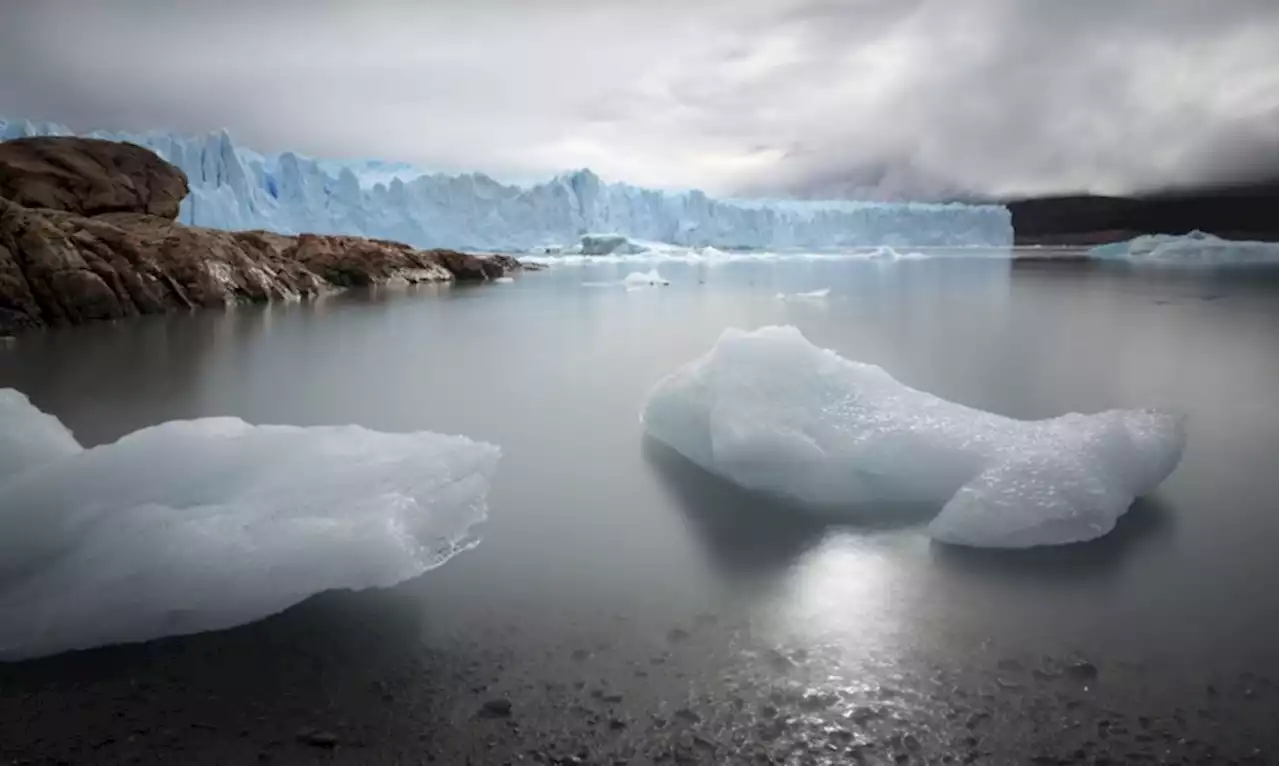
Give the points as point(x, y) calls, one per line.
point(891, 98)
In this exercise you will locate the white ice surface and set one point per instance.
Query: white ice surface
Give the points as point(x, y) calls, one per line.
point(659, 253)
point(233, 187)
point(1195, 248)
point(204, 524)
point(771, 412)
point(29, 437)
point(810, 295)
point(638, 279)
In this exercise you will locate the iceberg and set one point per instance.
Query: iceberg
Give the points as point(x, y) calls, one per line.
point(1194, 248)
point(771, 412)
point(638, 279)
point(811, 295)
point(233, 187)
point(607, 244)
point(205, 524)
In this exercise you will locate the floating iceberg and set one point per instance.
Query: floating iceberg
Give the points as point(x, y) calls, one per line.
point(638, 279)
point(607, 244)
point(1195, 248)
point(811, 295)
point(204, 524)
point(771, 412)
point(233, 187)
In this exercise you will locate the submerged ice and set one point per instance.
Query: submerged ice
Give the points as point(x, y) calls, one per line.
point(771, 412)
point(204, 524)
point(233, 187)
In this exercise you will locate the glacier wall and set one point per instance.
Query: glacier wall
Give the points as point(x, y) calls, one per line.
point(233, 187)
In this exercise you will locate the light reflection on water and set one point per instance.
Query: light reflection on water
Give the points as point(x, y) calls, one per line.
point(597, 538)
point(556, 373)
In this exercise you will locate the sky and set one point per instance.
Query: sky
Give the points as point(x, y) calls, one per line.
point(888, 99)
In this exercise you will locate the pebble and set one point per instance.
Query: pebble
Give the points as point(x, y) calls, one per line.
point(496, 708)
point(318, 738)
point(1082, 671)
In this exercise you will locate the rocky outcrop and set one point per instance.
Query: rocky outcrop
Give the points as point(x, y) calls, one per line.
point(89, 177)
point(59, 265)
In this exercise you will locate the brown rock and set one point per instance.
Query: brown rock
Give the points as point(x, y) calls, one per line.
point(464, 267)
point(346, 261)
point(89, 176)
point(58, 266)
point(508, 263)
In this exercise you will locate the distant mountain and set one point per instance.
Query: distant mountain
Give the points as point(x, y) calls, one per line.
point(1238, 211)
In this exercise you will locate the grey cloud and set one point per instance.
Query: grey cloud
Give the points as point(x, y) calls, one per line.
point(892, 98)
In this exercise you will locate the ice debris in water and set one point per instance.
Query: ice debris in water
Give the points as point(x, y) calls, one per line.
point(650, 278)
point(771, 412)
point(204, 524)
point(811, 295)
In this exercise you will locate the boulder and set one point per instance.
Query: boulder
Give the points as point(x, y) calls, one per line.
point(89, 176)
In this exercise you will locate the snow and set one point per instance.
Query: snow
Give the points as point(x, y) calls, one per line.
point(638, 279)
point(771, 412)
point(1195, 248)
point(204, 524)
point(233, 187)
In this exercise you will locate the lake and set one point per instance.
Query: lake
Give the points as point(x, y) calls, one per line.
point(633, 609)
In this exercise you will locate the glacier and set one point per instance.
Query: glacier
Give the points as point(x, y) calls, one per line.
point(771, 412)
point(199, 525)
point(233, 187)
point(1193, 248)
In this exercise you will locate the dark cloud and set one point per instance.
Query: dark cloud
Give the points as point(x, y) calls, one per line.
point(892, 98)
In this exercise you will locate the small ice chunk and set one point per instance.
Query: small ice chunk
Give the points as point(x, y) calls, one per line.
point(771, 412)
point(812, 295)
point(650, 278)
point(204, 524)
point(608, 244)
point(504, 280)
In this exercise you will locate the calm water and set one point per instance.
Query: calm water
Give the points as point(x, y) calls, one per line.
point(603, 548)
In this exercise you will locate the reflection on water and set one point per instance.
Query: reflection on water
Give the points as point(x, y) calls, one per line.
point(585, 510)
point(746, 535)
point(609, 559)
point(1145, 524)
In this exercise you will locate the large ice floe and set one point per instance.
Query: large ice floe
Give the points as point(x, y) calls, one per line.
point(234, 187)
point(1195, 248)
point(204, 524)
point(771, 412)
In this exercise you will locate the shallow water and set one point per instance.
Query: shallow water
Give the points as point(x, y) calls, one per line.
point(609, 560)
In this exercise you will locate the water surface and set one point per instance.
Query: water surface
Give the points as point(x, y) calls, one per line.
point(611, 562)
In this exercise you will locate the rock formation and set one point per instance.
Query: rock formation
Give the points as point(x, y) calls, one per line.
point(87, 232)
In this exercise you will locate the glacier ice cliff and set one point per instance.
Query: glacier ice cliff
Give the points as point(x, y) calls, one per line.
point(771, 412)
point(233, 187)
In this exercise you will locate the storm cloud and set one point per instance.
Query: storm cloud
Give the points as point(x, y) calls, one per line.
point(892, 99)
